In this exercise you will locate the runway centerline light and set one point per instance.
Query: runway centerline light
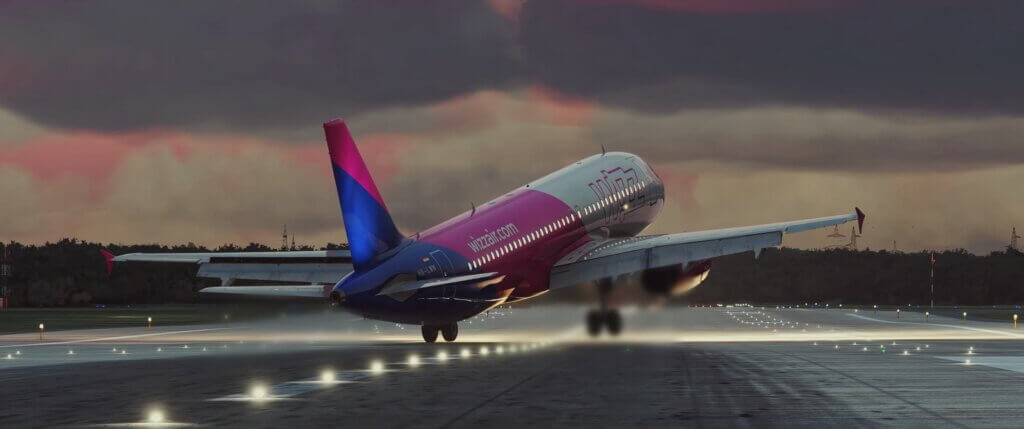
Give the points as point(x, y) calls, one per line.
point(465, 353)
point(258, 392)
point(499, 349)
point(155, 416)
point(442, 356)
point(376, 366)
point(484, 351)
point(327, 376)
point(413, 361)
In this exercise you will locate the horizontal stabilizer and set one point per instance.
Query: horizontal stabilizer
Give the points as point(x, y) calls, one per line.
point(483, 278)
point(284, 291)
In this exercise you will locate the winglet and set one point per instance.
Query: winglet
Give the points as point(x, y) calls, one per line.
point(109, 257)
point(860, 219)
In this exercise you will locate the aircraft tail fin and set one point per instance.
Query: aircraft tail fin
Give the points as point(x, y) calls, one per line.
point(109, 258)
point(368, 225)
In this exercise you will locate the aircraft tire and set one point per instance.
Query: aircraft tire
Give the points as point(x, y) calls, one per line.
point(613, 320)
point(594, 322)
point(450, 331)
point(429, 333)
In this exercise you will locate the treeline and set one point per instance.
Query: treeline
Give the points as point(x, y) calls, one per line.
point(73, 273)
point(865, 277)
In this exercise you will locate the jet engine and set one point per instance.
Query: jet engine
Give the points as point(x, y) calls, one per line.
point(675, 280)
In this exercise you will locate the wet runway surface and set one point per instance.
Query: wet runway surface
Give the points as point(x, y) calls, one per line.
point(703, 367)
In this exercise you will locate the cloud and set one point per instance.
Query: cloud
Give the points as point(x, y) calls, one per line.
point(282, 68)
point(919, 210)
point(217, 188)
point(242, 65)
point(15, 129)
point(817, 139)
point(732, 6)
point(945, 56)
point(169, 189)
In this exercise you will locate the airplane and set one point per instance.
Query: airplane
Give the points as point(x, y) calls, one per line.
point(579, 225)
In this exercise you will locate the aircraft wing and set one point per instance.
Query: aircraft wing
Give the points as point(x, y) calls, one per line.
point(316, 266)
point(605, 258)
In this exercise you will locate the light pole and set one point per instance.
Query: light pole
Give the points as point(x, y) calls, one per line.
point(41, 328)
point(932, 277)
point(926, 316)
point(965, 316)
point(897, 313)
point(149, 323)
point(1015, 321)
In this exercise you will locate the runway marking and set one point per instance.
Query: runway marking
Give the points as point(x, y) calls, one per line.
point(1009, 363)
point(122, 337)
point(921, 408)
point(969, 328)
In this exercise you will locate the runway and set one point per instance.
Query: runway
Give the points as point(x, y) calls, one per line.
point(703, 367)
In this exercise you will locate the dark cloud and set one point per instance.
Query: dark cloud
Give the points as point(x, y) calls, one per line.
point(940, 55)
point(241, 64)
point(269, 65)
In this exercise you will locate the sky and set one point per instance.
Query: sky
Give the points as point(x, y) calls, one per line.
point(174, 122)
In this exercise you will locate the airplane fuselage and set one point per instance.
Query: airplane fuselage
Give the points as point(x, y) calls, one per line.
point(519, 235)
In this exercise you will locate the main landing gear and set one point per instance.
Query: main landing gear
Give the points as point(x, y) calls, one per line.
point(604, 317)
point(449, 331)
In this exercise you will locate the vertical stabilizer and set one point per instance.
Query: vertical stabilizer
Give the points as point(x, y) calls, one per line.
point(368, 225)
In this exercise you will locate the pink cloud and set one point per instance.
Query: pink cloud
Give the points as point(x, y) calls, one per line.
point(680, 186)
point(553, 106)
point(509, 9)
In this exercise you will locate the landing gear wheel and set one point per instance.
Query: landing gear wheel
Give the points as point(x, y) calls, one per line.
point(613, 320)
point(594, 322)
point(429, 333)
point(604, 317)
point(450, 331)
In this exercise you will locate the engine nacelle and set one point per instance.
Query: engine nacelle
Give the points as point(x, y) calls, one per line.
point(675, 280)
